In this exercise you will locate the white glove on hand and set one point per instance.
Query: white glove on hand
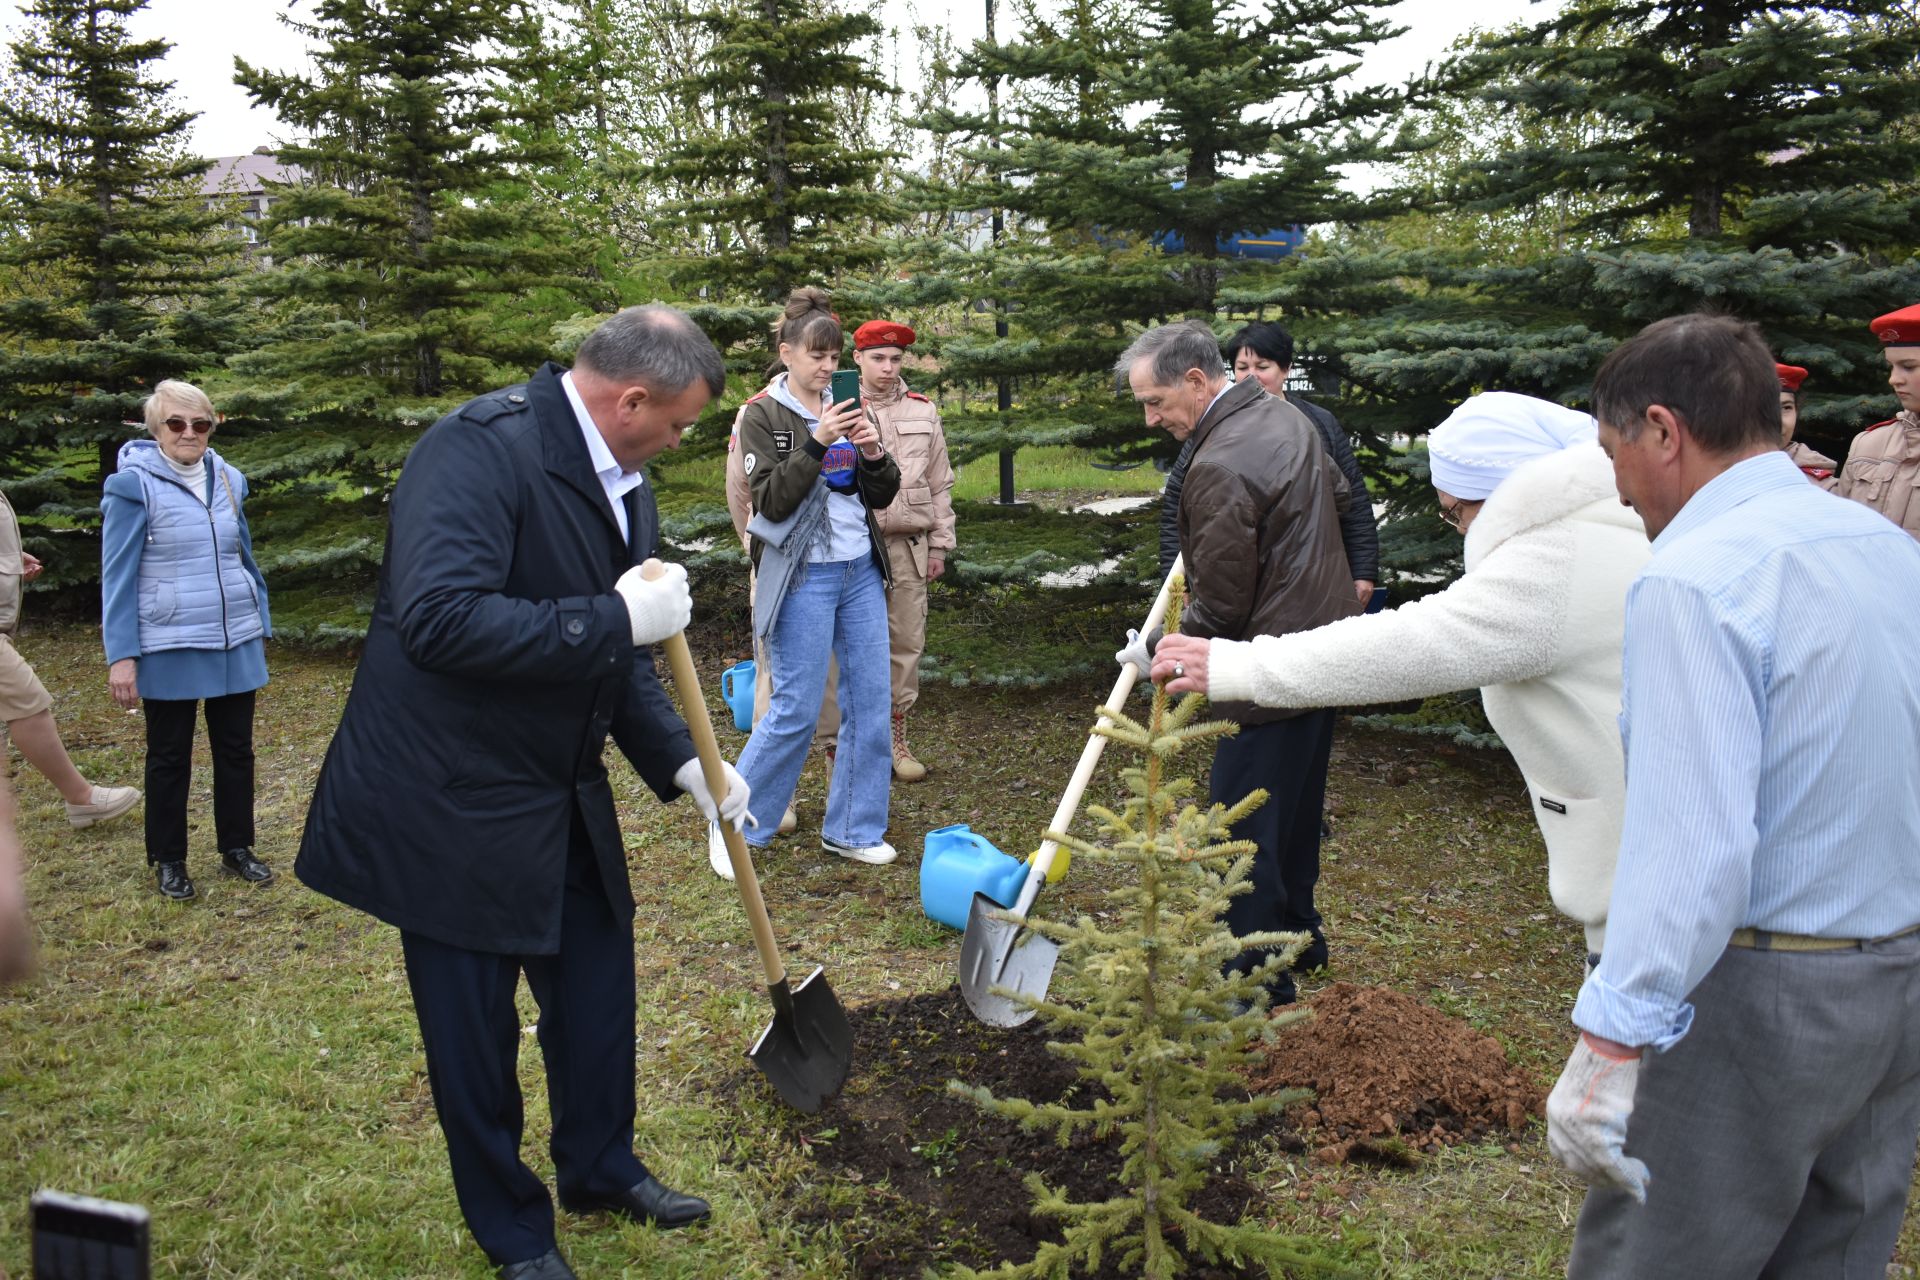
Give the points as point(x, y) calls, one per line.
point(1587, 1120)
point(659, 608)
point(732, 808)
point(1135, 652)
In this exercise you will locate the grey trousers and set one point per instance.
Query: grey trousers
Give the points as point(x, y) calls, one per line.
point(1779, 1134)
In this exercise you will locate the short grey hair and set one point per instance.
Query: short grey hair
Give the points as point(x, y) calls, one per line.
point(656, 346)
point(174, 394)
point(1174, 349)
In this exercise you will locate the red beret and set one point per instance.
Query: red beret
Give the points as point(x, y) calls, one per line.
point(882, 333)
point(1791, 376)
point(1899, 328)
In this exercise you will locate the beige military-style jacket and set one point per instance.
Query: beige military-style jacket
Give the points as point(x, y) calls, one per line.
point(1883, 470)
point(1819, 468)
point(910, 429)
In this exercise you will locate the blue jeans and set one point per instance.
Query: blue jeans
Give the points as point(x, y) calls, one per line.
point(838, 607)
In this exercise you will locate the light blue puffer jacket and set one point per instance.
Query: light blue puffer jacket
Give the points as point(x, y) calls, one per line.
point(195, 590)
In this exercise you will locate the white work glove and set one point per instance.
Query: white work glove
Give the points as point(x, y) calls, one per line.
point(1587, 1120)
point(658, 608)
point(732, 807)
point(1135, 652)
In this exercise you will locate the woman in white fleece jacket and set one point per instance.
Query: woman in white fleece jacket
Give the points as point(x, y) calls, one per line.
point(1536, 622)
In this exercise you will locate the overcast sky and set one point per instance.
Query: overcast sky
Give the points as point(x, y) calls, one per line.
point(207, 34)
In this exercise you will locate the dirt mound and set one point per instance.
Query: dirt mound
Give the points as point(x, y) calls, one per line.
point(936, 1179)
point(1383, 1065)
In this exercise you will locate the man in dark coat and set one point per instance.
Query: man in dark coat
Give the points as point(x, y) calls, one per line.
point(1259, 529)
point(464, 800)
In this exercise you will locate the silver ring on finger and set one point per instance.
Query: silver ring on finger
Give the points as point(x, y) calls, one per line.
point(1179, 670)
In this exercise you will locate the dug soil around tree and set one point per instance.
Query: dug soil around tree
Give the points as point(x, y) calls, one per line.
point(935, 1179)
point(1382, 1065)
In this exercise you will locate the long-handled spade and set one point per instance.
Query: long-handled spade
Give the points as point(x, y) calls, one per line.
point(1001, 952)
point(806, 1050)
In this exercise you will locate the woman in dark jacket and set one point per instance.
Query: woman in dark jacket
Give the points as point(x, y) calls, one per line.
point(1265, 352)
point(184, 616)
point(817, 471)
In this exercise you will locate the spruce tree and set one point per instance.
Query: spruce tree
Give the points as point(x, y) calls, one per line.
point(1159, 1034)
point(787, 191)
point(414, 267)
point(110, 255)
point(1137, 141)
point(1747, 157)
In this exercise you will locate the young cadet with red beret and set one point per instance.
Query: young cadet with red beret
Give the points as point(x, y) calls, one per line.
point(918, 525)
point(1819, 468)
point(1883, 462)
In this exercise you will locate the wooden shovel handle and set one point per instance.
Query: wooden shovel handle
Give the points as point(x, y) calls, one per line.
point(693, 705)
point(1096, 741)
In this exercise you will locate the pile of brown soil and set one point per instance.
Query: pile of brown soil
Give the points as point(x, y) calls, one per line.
point(1384, 1065)
point(936, 1179)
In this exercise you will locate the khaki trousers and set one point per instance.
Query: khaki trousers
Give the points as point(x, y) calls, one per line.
point(907, 616)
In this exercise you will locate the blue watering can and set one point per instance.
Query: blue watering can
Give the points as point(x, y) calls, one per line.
point(957, 863)
point(736, 690)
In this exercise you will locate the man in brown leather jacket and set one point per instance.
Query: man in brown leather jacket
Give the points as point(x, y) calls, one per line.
point(917, 525)
point(1259, 525)
point(1883, 462)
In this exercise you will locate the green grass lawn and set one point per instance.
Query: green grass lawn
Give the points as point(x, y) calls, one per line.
point(247, 1065)
point(1056, 473)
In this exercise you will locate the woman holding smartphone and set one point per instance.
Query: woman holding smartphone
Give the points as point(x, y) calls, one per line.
point(817, 471)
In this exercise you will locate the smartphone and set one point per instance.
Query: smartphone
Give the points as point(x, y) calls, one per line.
point(846, 385)
point(81, 1238)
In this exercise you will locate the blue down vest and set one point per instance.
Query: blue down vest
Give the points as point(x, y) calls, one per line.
point(195, 591)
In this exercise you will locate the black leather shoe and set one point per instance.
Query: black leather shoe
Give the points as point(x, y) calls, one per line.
point(649, 1202)
point(242, 863)
point(1314, 957)
point(548, 1266)
point(172, 879)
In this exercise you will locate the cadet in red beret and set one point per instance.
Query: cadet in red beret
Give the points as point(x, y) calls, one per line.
point(1819, 468)
point(1883, 463)
point(918, 527)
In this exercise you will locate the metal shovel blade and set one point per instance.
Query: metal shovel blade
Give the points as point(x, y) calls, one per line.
point(806, 1051)
point(1001, 953)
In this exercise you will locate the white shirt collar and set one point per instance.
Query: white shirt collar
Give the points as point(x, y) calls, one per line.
point(617, 483)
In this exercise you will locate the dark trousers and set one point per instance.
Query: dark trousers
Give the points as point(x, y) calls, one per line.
point(170, 772)
point(1288, 760)
point(464, 1000)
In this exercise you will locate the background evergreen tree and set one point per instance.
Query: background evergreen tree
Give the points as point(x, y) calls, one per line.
point(1135, 137)
point(787, 192)
point(415, 265)
point(110, 255)
point(1747, 157)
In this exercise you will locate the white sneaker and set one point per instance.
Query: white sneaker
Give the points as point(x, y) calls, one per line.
point(877, 854)
point(717, 852)
point(106, 803)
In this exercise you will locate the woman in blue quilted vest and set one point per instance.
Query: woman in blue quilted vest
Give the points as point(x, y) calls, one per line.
point(184, 617)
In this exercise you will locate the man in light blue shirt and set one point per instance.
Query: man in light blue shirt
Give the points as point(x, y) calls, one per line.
point(1745, 1095)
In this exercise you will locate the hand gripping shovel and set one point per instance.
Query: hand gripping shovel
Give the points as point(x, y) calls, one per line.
point(1005, 953)
point(807, 1048)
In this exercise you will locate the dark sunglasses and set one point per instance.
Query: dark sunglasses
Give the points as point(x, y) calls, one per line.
point(199, 426)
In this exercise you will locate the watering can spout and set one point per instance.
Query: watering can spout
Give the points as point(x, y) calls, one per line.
point(958, 862)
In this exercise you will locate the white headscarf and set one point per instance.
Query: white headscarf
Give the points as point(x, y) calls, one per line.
point(1482, 441)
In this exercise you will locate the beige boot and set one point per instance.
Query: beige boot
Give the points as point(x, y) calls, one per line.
point(905, 767)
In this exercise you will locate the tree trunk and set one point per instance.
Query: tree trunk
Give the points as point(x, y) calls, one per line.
point(779, 228)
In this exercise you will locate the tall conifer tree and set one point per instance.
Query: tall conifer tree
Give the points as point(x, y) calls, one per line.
point(1138, 140)
point(108, 246)
point(414, 269)
point(1750, 157)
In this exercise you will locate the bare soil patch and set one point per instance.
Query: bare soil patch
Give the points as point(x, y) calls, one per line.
point(939, 1181)
point(1384, 1065)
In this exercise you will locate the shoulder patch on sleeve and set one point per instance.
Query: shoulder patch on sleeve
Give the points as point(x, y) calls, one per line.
point(747, 463)
point(783, 442)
